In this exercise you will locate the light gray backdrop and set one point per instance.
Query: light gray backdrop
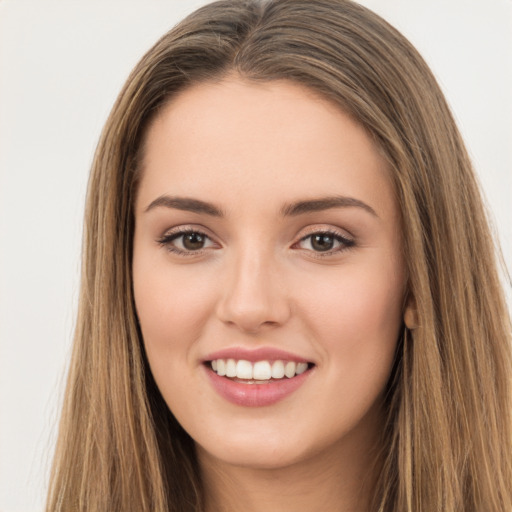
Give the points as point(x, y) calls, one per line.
point(62, 64)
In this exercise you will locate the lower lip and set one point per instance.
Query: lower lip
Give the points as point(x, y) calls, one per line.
point(255, 395)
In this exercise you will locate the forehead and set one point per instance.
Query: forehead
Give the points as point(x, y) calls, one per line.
point(276, 139)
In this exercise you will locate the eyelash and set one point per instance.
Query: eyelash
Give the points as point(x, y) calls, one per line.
point(345, 243)
point(167, 240)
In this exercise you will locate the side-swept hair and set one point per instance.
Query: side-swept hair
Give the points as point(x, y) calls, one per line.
point(447, 442)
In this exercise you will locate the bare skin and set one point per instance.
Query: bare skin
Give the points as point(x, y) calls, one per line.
point(325, 483)
point(266, 220)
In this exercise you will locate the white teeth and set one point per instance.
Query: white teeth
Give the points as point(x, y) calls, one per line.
point(244, 369)
point(301, 368)
point(221, 367)
point(258, 371)
point(289, 369)
point(278, 370)
point(261, 371)
point(230, 368)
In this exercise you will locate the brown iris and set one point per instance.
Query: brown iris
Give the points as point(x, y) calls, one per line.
point(322, 242)
point(193, 241)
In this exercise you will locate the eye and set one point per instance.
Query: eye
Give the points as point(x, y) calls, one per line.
point(183, 242)
point(325, 242)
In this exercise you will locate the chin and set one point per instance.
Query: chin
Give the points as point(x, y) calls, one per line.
point(259, 457)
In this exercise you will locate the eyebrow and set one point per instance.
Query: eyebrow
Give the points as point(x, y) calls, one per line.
point(186, 204)
point(289, 210)
point(325, 203)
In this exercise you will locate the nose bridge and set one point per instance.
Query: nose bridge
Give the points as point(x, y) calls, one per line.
point(253, 294)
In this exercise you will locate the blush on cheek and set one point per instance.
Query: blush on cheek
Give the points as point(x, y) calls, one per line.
point(168, 300)
point(360, 322)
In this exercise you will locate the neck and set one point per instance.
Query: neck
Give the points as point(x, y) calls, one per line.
point(325, 482)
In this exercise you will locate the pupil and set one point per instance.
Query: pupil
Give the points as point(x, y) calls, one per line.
point(193, 241)
point(322, 242)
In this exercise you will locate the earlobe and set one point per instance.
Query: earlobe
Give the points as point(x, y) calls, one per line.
point(411, 315)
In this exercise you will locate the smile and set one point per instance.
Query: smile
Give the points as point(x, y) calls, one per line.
point(257, 372)
point(256, 378)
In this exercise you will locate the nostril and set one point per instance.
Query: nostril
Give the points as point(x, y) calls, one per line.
point(251, 302)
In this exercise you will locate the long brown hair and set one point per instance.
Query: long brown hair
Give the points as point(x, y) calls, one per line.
point(447, 443)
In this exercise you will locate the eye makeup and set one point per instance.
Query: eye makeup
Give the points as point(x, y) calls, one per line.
point(187, 241)
point(190, 241)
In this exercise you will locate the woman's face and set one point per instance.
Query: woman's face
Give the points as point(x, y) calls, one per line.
point(267, 242)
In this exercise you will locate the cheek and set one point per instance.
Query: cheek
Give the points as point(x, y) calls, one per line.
point(371, 312)
point(356, 320)
point(172, 307)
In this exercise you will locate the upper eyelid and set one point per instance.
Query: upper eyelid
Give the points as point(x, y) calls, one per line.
point(187, 228)
point(311, 230)
point(346, 239)
point(304, 233)
point(172, 234)
point(340, 238)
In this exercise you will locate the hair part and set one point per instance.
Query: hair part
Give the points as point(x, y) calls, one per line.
point(446, 443)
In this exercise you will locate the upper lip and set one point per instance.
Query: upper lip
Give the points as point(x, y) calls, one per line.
point(253, 355)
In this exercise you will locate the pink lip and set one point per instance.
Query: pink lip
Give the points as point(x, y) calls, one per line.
point(255, 395)
point(253, 355)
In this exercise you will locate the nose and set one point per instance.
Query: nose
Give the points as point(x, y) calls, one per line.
point(254, 296)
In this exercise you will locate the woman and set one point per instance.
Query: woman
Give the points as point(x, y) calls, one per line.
point(289, 296)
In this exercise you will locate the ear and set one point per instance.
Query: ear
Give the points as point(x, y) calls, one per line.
point(411, 314)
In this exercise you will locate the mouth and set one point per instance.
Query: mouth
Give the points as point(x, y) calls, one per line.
point(262, 378)
point(258, 372)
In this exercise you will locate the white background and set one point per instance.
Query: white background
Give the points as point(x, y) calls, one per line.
point(62, 64)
